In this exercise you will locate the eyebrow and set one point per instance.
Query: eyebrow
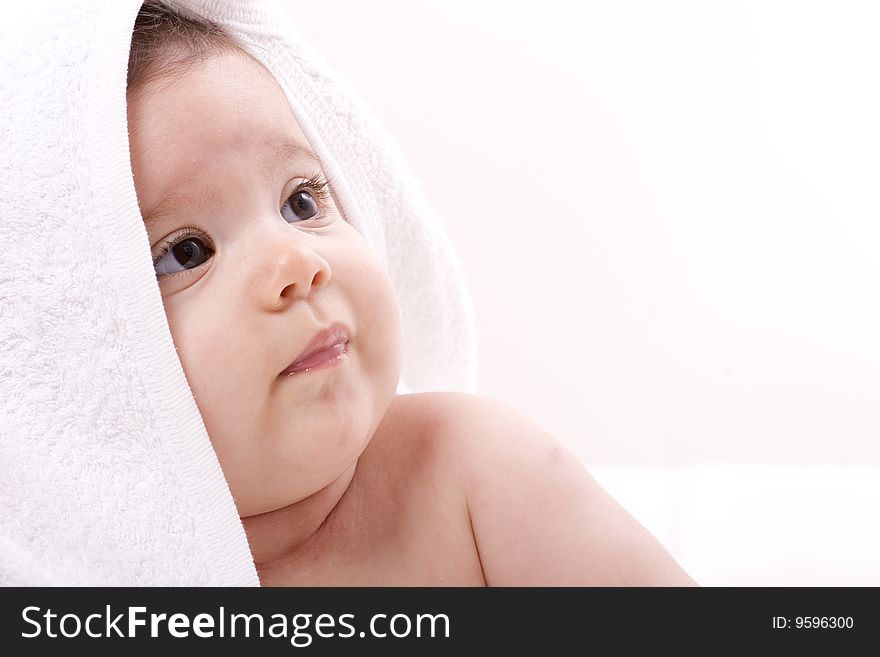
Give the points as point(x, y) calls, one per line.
point(284, 154)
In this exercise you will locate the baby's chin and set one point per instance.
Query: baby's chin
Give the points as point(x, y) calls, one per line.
point(307, 447)
point(278, 487)
point(294, 501)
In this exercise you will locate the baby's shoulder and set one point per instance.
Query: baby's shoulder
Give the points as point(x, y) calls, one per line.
point(432, 423)
point(510, 482)
point(468, 436)
point(421, 426)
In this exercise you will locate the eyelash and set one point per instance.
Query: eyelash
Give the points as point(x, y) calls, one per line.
point(316, 186)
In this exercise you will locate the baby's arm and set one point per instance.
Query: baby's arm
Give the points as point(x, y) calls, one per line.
point(538, 517)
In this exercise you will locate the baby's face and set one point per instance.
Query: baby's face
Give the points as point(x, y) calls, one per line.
point(268, 264)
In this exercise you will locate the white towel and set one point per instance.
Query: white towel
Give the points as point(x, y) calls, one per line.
point(107, 475)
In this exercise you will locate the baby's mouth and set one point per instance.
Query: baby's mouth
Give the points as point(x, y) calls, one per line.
point(319, 360)
point(326, 348)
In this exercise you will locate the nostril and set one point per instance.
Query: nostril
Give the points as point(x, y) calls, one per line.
point(321, 278)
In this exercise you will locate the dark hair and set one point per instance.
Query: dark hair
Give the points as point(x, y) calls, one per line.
point(166, 43)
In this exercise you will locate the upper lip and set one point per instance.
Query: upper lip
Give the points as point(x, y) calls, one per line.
point(336, 333)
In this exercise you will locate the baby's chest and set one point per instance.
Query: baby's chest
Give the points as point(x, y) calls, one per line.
point(424, 540)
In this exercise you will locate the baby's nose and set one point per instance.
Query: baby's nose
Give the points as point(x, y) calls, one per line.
point(291, 270)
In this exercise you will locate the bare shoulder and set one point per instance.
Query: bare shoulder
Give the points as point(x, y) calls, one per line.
point(538, 517)
point(420, 441)
point(419, 423)
point(444, 415)
point(449, 438)
point(459, 429)
point(474, 432)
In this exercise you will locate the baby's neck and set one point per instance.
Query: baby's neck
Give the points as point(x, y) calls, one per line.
point(277, 535)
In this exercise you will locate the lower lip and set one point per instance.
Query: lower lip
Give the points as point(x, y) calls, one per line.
point(322, 360)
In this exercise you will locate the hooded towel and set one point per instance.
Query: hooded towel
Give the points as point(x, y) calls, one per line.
point(107, 475)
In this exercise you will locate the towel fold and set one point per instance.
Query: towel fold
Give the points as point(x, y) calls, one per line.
point(107, 475)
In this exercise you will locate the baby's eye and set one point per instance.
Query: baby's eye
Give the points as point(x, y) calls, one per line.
point(188, 253)
point(303, 206)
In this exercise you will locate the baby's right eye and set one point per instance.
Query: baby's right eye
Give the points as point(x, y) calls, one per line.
point(181, 253)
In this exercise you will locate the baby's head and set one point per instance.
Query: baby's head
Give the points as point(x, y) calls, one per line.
point(253, 259)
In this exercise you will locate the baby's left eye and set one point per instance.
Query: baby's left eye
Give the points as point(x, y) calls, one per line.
point(303, 206)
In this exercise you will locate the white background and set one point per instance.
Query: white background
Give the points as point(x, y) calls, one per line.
point(668, 217)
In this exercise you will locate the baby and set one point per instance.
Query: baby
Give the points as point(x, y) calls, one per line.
point(288, 330)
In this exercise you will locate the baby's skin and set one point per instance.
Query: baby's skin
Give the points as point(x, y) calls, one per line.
point(337, 479)
point(460, 490)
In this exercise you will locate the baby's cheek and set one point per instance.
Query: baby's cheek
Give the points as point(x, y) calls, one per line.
point(210, 359)
point(384, 314)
